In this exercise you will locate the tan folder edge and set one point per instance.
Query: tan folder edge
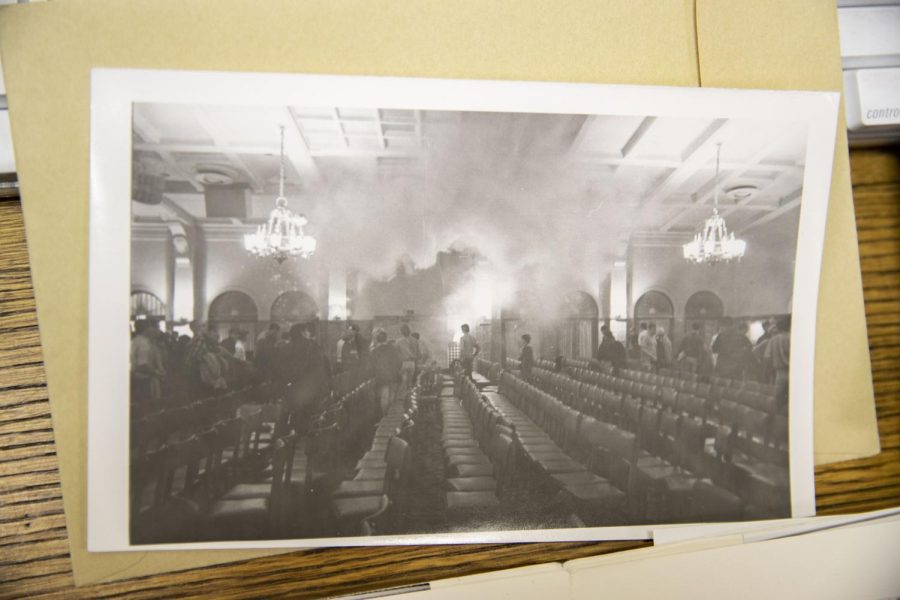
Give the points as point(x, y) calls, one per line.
point(49, 49)
point(794, 45)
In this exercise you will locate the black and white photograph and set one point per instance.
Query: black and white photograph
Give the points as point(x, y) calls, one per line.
point(409, 311)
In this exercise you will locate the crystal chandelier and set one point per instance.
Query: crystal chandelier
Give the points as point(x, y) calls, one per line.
point(281, 237)
point(713, 244)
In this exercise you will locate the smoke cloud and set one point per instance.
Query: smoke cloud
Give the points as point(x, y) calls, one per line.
point(497, 185)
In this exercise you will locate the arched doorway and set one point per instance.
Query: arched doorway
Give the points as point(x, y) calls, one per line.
point(704, 308)
point(145, 305)
point(657, 308)
point(294, 307)
point(234, 310)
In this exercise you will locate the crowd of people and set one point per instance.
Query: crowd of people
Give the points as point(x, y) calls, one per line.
point(730, 353)
point(169, 369)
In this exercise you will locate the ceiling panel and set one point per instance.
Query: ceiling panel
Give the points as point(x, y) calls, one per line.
point(669, 138)
point(609, 167)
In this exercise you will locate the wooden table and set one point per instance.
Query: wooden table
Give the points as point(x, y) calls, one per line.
point(33, 548)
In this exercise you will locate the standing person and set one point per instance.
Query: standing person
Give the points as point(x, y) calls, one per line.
point(768, 331)
point(206, 373)
point(349, 358)
point(778, 357)
point(663, 349)
point(146, 365)
point(265, 357)
point(611, 350)
point(362, 346)
point(406, 347)
point(339, 354)
point(733, 349)
point(240, 345)
point(423, 357)
point(468, 350)
point(692, 351)
point(386, 365)
point(526, 356)
point(647, 342)
point(305, 367)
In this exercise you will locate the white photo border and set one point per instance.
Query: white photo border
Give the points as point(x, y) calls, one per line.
point(113, 92)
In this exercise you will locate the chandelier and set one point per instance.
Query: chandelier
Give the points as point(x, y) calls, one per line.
point(281, 237)
point(713, 244)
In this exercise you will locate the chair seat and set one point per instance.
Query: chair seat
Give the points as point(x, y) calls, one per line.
point(765, 473)
point(373, 455)
point(680, 483)
point(371, 463)
point(602, 492)
point(578, 478)
point(472, 484)
point(457, 435)
point(370, 474)
point(471, 500)
point(461, 443)
point(468, 459)
point(541, 448)
point(242, 508)
point(359, 488)
point(474, 470)
point(556, 465)
point(463, 451)
point(546, 453)
point(356, 507)
point(248, 490)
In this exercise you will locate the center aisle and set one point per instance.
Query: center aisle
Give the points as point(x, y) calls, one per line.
point(426, 512)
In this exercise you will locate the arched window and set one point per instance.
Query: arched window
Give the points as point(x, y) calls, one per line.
point(655, 307)
point(234, 310)
point(293, 307)
point(704, 308)
point(145, 305)
point(233, 306)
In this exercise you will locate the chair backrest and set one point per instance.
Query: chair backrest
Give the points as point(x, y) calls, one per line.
point(778, 432)
point(621, 449)
point(501, 455)
point(690, 446)
point(631, 413)
point(668, 397)
point(752, 423)
point(668, 435)
point(648, 433)
point(177, 467)
point(146, 474)
point(729, 413)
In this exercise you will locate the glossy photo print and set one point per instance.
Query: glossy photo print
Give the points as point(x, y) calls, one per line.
point(342, 311)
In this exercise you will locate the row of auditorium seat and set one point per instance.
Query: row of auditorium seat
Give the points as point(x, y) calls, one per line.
point(524, 453)
point(375, 496)
point(183, 487)
point(587, 370)
point(663, 467)
point(151, 430)
point(613, 398)
point(732, 456)
point(478, 453)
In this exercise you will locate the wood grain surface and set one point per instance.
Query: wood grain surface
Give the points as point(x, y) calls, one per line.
point(34, 558)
